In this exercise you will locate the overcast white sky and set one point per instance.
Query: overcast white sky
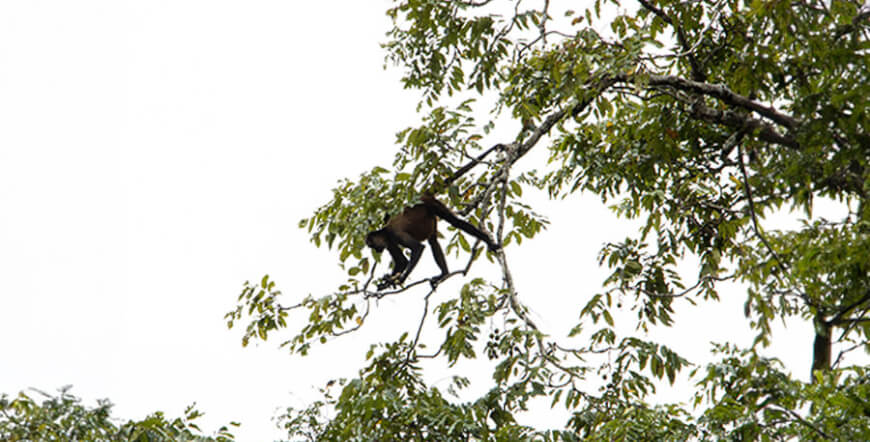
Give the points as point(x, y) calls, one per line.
point(156, 154)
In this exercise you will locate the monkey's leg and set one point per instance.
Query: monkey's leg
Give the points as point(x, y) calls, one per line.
point(438, 254)
point(446, 214)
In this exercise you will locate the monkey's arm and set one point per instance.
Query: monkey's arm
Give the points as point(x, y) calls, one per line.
point(399, 265)
point(416, 251)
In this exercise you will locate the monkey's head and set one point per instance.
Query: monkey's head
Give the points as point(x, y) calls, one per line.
point(377, 240)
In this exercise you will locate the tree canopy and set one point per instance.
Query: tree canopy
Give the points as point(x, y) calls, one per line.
point(62, 417)
point(698, 119)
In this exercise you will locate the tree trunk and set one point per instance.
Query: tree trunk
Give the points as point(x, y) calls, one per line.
point(821, 347)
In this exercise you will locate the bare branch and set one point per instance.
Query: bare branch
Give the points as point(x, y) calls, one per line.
point(512, 154)
point(473, 4)
point(543, 26)
point(747, 188)
point(686, 291)
point(420, 327)
point(735, 138)
point(848, 350)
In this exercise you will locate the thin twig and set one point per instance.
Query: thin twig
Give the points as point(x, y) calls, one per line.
point(543, 26)
point(419, 328)
point(686, 291)
point(843, 352)
point(735, 139)
point(359, 324)
point(804, 422)
point(688, 51)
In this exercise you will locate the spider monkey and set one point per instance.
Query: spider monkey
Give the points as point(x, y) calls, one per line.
point(418, 223)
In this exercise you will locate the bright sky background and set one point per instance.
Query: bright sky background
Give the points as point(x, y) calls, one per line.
point(154, 155)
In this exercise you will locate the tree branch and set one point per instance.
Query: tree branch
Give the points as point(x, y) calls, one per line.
point(853, 321)
point(804, 422)
point(573, 108)
point(722, 93)
point(362, 320)
point(850, 349)
point(863, 15)
point(697, 73)
point(838, 319)
point(473, 4)
point(735, 139)
point(735, 120)
point(685, 292)
point(420, 327)
point(745, 123)
point(511, 293)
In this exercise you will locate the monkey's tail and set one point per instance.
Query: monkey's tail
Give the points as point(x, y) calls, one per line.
point(443, 212)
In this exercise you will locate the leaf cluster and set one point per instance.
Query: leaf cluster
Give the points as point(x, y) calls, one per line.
point(62, 417)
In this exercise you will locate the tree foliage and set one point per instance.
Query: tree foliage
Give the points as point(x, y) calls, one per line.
point(62, 417)
point(699, 119)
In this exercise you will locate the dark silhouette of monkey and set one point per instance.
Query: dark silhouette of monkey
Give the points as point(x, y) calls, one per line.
point(409, 229)
point(417, 224)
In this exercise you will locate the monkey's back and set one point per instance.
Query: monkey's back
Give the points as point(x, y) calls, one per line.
point(417, 221)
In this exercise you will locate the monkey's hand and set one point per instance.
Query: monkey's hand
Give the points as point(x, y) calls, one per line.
point(494, 246)
point(384, 283)
point(389, 280)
